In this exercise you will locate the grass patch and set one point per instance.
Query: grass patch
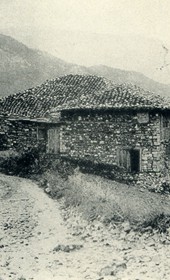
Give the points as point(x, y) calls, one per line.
point(110, 201)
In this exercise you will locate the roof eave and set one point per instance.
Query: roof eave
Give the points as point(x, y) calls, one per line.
point(102, 108)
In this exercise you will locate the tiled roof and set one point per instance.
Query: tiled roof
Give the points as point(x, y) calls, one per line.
point(79, 91)
point(120, 96)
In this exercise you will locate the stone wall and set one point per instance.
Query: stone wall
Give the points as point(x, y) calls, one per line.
point(21, 135)
point(100, 137)
point(165, 139)
point(4, 129)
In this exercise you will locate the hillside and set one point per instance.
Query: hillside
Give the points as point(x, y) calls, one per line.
point(122, 76)
point(23, 68)
point(131, 52)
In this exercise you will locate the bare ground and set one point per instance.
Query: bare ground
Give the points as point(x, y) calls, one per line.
point(32, 225)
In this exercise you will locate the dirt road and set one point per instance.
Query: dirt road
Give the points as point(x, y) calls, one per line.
point(31, 226)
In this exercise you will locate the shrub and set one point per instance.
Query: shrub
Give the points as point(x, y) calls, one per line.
point(24, 163)
point(160, 222)
point(57, 165)
point(53, 184)
point(164, 187)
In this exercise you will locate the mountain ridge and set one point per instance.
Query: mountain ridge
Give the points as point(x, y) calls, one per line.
point(23, 68)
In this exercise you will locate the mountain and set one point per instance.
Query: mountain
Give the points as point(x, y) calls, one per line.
point(22, 67)
point(122, 76)
point(149, 56)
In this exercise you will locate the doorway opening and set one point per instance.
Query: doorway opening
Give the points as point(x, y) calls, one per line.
point(135, 160)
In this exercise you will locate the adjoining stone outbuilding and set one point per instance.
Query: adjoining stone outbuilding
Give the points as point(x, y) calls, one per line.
point(23, 134)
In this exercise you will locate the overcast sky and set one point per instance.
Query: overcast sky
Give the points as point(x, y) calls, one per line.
point(150, 18)
point(50, 25)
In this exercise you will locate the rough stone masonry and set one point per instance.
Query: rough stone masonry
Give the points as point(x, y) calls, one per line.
point(109, 136)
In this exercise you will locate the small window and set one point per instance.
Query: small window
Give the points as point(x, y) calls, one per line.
point(42, 134)
point(143, 117)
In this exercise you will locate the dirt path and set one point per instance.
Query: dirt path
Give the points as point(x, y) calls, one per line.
point(31, 226)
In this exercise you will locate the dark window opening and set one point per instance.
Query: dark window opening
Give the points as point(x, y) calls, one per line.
point(42, 134)
point(135, 160)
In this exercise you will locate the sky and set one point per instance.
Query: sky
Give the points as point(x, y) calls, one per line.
point(36, 23)
point(150, 18)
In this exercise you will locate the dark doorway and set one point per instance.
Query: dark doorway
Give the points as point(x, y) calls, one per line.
point(135, 160)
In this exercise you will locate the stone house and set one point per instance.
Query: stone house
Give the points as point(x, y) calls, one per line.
point(93, 120)
point(123, 126)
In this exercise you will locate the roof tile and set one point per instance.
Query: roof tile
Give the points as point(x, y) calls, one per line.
point(79, 91)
